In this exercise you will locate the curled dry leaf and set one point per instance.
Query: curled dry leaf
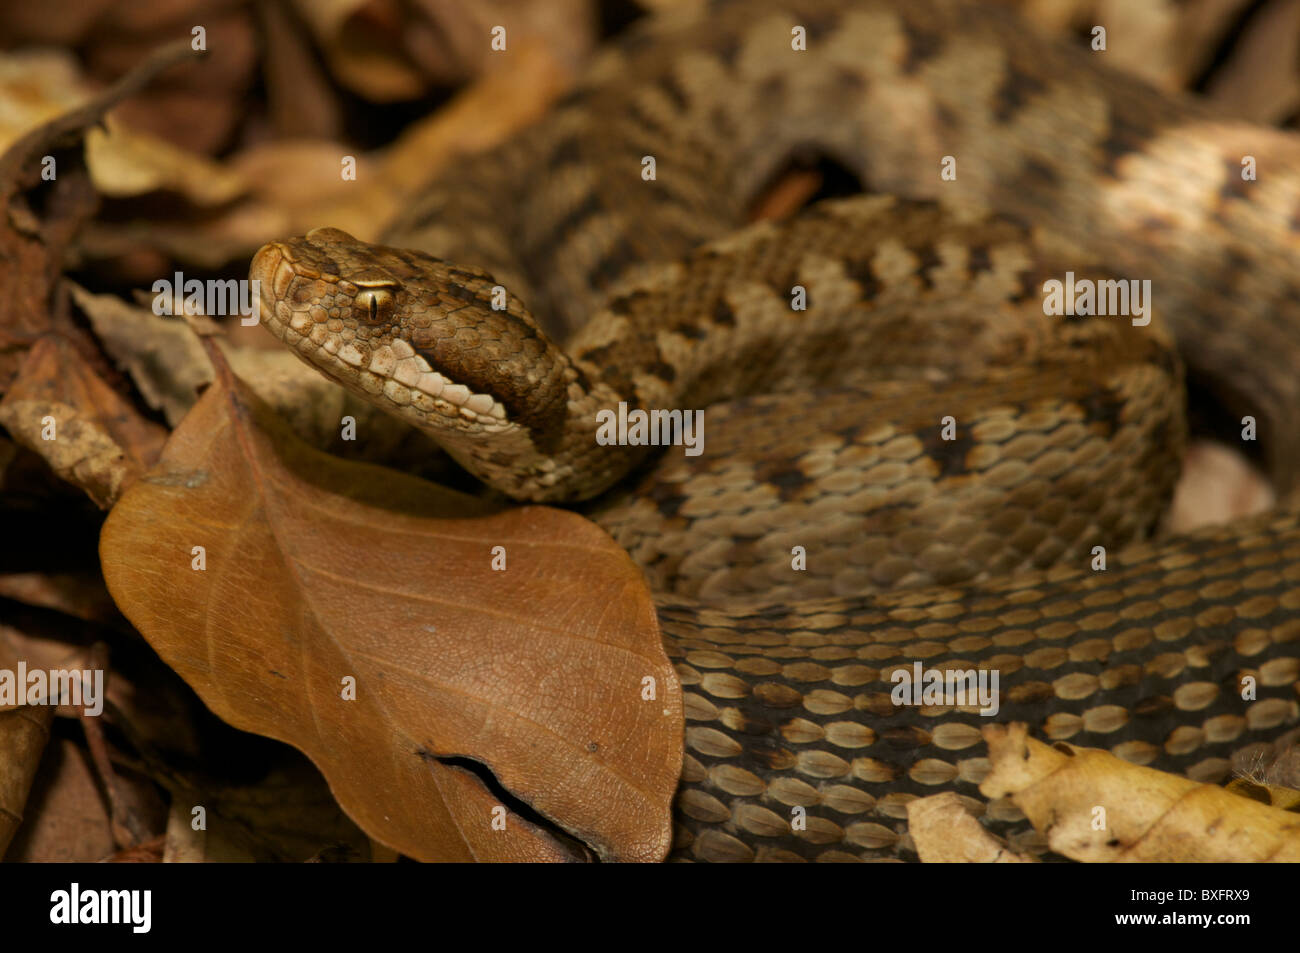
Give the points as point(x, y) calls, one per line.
point(126, 163)
point(163, 357)
point(89, 435)
point(294, 186)
point(1093, 806)
point(23, 733)
point(945, 832)
point(319, 571)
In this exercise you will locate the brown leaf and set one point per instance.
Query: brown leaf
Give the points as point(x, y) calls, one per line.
point(55, 23)
point(287, 815)
point(23, 733)
point(319, 569)
point(37, 85)
point(301, 182)
point(38, 217)
point(1261, 80)
point(387, 52)
point(79, 593)
point(90, 436)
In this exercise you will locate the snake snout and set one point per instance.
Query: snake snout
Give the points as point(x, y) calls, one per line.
point(264, 271)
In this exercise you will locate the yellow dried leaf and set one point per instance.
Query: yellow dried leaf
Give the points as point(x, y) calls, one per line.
point(1093, 806)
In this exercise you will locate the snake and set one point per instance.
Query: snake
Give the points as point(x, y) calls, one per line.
point(906, 458)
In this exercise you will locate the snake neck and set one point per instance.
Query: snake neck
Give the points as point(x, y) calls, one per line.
point(849, 294)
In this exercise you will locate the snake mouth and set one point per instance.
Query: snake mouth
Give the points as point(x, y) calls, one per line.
point(303, 307)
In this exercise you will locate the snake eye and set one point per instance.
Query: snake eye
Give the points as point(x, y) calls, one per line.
point(374, 305)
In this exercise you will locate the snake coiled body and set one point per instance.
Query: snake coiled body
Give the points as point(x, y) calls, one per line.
point(972, 548)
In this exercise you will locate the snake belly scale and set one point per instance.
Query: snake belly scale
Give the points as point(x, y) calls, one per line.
point(966, 549)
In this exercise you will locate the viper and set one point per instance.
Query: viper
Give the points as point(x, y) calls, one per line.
point(907, 458)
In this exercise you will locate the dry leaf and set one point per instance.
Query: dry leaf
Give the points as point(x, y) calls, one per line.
point(1273, 766)
point(148, 852)
point(287, 815)
point(300, 99)
point(476, 119)
point(294, 186)
point(39, 85)
point(23, 733)
point(67, 818)
point(318, 570)
point(36, 85)
point(169, 367)
point(202, 104)
point(34, 237)
point(77, 593)
point(90, 436)
point(945, 832)
point(1284, 799)
point(1093, 806)
point(37, 651)
point(163, 356)
point(52, 22)
point(1261, 80)
point(124, 162)
point(388, 53)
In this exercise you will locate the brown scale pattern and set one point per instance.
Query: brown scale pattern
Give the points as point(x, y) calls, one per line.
point(788, 699)
point(791, 706)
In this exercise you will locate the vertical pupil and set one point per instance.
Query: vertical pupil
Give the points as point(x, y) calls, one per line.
point(374, 308)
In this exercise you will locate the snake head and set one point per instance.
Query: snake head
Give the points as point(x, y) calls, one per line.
point(443, 346)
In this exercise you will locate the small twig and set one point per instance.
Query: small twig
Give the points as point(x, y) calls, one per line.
point(127, 829)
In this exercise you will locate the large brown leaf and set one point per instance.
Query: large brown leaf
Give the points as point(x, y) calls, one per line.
point(318, 569)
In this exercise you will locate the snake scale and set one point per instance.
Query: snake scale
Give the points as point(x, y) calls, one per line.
point(970, 547)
